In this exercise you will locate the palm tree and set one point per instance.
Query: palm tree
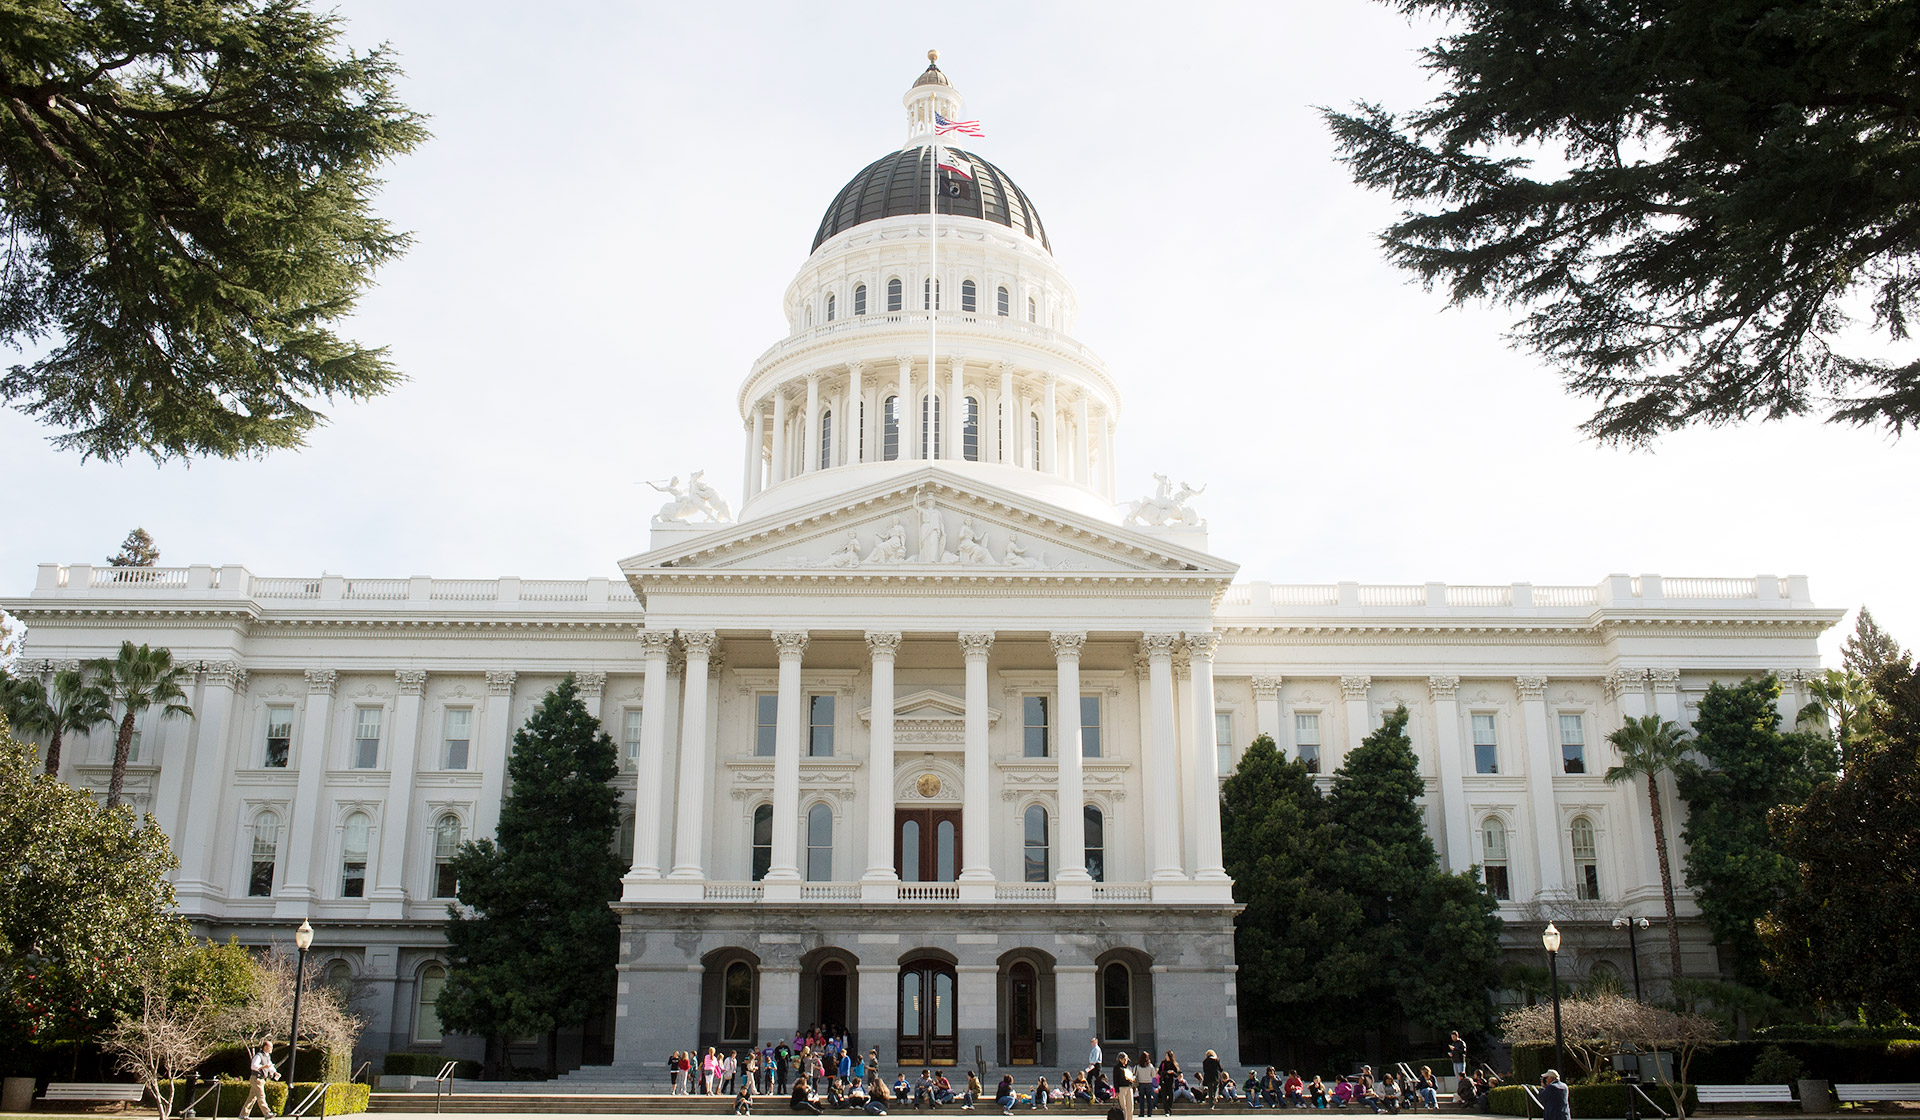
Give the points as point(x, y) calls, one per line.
point(135, 680)
point(72, 706)
point(1649, 746)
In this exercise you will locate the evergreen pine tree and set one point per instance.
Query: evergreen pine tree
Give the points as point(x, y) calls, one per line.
point(1870, 649)
point(1430, 949)
point(137, 551)
point(1734, 863)
point(533, 942)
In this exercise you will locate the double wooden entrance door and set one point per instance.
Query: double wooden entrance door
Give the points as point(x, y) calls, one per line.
point(926, 845)
point(927, 1034)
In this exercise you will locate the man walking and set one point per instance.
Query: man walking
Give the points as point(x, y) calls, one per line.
point(259, 1069)
point(1555, 1098)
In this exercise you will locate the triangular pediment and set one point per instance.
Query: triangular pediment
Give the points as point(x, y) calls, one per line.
point(929, 523)
point(929, 705)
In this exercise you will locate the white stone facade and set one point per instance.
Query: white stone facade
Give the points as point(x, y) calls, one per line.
point(882, 655)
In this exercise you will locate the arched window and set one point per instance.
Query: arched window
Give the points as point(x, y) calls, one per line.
point(1096, 829)
point(831, 308)
point(623, 848)
point(1586, 860)
point(826, 439)
point(446, 842)
point(1493, 849)
point(1033, 310)
point(930, 427)
point(1035, 418)
point(426, 1011)
point(968, 296)
point(809, 315)
point(970, 432)
point(339, 977)
point(910, 851)
point(266, 847)
point(859, 299)
point(819, 844)
point(1036, 844)
point(929, 302)
point(736, 1003)
point(1005, 302)
point(890, 438)
point(1603, 979)
point(762, 841)
point(353, 855)
point(1116, 1003)
point(893, 294)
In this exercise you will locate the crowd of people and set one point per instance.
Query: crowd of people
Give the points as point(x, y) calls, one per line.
point(819, 1071)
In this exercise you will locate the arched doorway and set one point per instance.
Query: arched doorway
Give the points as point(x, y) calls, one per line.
point(830, 1001)
point(928, 1014)
point(1023, 1017)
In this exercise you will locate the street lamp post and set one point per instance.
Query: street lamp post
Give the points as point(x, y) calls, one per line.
point(1551, 939)
point(1633, 948)
point(302, 940)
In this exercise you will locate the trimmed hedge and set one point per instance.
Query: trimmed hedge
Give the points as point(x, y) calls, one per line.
point(1732, 1063)
point(1835, 1032)
point(425, 1065)
point(237, 1061)
point(1588, 1100)
point(340, 1099)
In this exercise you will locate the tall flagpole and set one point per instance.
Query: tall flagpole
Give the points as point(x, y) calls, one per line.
point(933, 289)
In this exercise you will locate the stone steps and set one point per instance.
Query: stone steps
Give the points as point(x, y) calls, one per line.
point(615, 1102)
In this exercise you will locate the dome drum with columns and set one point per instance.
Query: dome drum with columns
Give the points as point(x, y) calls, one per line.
point(928, 741)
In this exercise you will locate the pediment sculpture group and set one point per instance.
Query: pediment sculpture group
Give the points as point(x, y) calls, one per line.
point(930, 545)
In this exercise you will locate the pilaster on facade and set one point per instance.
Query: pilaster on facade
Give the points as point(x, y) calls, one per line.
point(1355, 687)
point(320, 682)
point(1531, 688)
point(410, 682)
point(1442, 687)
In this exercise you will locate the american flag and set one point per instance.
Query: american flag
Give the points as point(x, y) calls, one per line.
point(942, 126)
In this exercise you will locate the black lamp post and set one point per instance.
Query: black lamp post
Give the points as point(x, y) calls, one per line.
point(1551, 939)
point(302, 940)
point(1633, 948)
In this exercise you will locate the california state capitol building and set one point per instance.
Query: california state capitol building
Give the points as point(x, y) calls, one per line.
point(922, 727)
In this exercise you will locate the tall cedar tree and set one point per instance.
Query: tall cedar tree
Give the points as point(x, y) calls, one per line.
point(1870, 649)
point(1734, 862)
point(1691, 200)
point(1293, 938)
point(185, 203)
point(1851, 933)
point(533, 942)
point(137, 551)
point(1431, 942)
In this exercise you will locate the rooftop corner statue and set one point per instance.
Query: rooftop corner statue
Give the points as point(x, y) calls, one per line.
point(925, 741)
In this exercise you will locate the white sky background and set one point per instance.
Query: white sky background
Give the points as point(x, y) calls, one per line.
point(617, 195)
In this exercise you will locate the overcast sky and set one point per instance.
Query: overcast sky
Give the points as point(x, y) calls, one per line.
point(616, 196)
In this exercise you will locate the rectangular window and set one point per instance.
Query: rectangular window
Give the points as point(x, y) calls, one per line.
point(1034, 720)
point(279, 736)
point(353, 864)
point(1587, 886)
point(1573, 743)
point(766, 720)
point(1090, 726)
point(820, 727)
point(1496, 875)
point(366, 738)
point(860, 300)
point(1223, 740)
point(133, 746)
point(630, 737)
point(458, 734)
point(1486, 749)
point(1306, 740)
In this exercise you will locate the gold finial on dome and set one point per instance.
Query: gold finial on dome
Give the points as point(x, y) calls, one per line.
point(933, 56)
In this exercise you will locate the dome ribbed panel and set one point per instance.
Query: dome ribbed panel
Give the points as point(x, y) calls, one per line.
point(896, 185)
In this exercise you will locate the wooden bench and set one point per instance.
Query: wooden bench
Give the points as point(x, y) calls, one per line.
point(1892, 1091)
point(121, 1091)
point(1744, 1094)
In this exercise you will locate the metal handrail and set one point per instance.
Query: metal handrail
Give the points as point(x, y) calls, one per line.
point(444, 1077)
point(364, 1067)
point(1638, 1087)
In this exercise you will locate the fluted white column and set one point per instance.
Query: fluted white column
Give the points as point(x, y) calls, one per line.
point(1266, 709)
point(1082, 442)
point(1162, 747)
point(1050, 425)
point(647, 820)
point(785, 865)
point(1543, 763)
point(388, 897)
point(1207, 862)
point(810, 442)
point(1112, 482)
point(1008, 436)
point(690, 807)
point(976, 861)
point(855, 424)
point(884, 646)
point(305, 817)
point(1071, 864)
point(909, 413)
point(752, 457)
point(1453, 765)
point(956, 413)
point(213, 716)
point(779, 472)
point(757, 452)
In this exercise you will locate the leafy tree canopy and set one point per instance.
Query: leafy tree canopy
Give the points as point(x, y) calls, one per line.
point(1348, 914)
point(1734, 863)
point(185, 188)
point(533, 940)
point(1693, 201)
point(1870, 649)
point(85, 905)
point(137, 551)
